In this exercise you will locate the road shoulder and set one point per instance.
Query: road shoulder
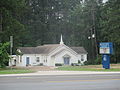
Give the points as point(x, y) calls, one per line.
point(60, 73)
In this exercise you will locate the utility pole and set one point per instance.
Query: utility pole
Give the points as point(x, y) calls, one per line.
point(1, 22)
point(11, 47)
point(11, 44)
point(94, 31)
point(92, 43)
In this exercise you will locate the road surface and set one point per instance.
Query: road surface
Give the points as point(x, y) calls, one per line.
point(61, 82)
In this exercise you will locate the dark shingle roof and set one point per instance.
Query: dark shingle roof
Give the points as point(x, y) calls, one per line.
point(46, 49)
point(79, 50)
point(27, 50)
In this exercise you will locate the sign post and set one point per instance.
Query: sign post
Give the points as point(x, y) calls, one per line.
point(106, 48)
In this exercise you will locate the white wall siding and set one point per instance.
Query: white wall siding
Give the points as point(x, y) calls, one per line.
point(59, 57)
point(32, 59)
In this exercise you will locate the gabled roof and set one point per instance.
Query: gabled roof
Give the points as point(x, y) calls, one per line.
point(46, 49)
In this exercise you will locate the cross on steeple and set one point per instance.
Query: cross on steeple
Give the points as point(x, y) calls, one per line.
point(61, 40)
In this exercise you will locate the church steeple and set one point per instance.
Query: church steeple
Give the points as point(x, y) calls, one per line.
point(61, 40)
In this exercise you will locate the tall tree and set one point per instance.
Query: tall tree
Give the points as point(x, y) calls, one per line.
point(110, 27)
point(10, 13)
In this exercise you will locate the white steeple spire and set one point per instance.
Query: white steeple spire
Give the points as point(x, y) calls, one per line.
point(61, 40)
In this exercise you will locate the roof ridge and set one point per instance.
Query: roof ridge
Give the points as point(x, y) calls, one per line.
point(48, 45)
point(76, 47)
point(26, 47)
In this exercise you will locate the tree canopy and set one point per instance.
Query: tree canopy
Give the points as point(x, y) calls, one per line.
point(4, 56)
point(82, 23)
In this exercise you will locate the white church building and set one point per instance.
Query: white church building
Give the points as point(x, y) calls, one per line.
point(49, 55)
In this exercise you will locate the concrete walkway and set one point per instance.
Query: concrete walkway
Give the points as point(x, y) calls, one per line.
point(60, 73)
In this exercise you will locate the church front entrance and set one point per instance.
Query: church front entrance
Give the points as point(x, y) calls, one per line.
point(66, 60)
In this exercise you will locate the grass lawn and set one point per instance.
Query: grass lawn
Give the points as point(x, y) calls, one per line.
point(14, 71)
point(114, 67)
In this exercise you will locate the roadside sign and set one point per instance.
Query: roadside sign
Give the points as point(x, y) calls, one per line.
point(106, 48)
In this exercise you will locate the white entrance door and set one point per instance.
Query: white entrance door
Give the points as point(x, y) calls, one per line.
point(52, 61)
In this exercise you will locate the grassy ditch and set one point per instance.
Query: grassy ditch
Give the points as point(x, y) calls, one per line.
point(15, 71)
point(89, 68)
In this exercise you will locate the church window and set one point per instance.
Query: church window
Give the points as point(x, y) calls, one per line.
point(44, 60)
point(37, 59)
point(82, 57)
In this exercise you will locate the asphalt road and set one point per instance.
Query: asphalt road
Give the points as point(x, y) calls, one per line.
point(61, 82)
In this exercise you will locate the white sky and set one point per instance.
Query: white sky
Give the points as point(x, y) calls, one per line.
point(105, 1)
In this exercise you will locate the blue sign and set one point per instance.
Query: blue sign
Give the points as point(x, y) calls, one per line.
point(106, 48)
point(104, 45)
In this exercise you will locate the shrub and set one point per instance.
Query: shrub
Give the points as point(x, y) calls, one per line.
point(41, 64)
point(74, 64)
point(58, 64)
point(86, 63)
point(98, 60)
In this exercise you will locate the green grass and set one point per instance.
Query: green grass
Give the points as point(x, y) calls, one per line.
point(15, 71)
point(82, 68)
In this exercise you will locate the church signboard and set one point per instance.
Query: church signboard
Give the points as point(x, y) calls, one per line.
point(106, 48)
